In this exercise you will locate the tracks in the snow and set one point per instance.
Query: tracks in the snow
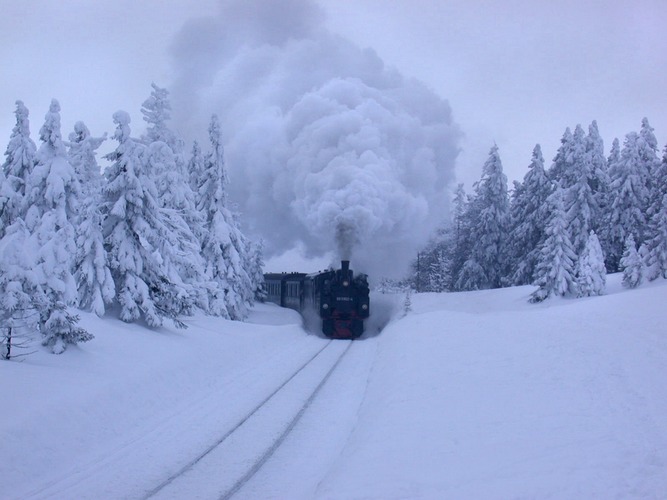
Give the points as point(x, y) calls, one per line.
point(232, 460)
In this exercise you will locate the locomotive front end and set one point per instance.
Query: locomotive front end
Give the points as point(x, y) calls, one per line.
point(345, 304)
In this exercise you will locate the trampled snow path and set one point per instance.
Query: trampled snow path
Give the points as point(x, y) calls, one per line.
point(231, 462)
point(315, 445)
point(130, 465)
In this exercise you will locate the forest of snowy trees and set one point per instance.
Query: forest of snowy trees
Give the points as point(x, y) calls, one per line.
point(152, 238)
point(561, 228)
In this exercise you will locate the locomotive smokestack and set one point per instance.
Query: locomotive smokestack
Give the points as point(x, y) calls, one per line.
point(345, 266)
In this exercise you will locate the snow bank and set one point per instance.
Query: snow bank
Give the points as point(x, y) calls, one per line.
point(481, 395)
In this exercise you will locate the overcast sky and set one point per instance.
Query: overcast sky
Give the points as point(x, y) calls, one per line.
point(514, 72)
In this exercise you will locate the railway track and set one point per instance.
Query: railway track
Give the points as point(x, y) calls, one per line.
point(231, 461)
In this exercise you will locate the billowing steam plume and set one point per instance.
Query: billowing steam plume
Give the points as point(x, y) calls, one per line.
point(324, 144)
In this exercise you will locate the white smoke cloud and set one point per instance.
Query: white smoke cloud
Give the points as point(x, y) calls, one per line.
point(324, 144)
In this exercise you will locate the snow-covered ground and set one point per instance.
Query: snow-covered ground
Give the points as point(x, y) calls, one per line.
point(470, 395)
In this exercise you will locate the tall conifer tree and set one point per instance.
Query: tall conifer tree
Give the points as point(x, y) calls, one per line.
point(487, 264)
point(555, 273)
point(17, 167)
point(95, 287)
point(138, 237)
point(528, 216)
point(626, 215)
point(224, 246)
point(53, 195)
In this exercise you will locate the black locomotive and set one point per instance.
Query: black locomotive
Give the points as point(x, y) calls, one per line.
point(340, 298)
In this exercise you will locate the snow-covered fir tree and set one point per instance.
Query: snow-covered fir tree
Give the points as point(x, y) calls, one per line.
point(196, 167)
point(591, 271)
point(82, 147)
point(528, 214)
point(606, 200)
point(223, 245)
point(438, 277)
point(52, 193)
point(425, 266)
point(658, 189)
point(563, 161)
point(487, 263)
point(166, 165)
point(648, 156)
point(21, 294)
point(7, 193)
point(631, 264)
point(157, 112)
point(95, 287)
point(17, 167)
point(555, 273)
point(599, 179)
point(628, 196)
point(138, 238)
point(176, 200)
point(580, 204)
point(256, 269)
point(656, 244)
point(460, 236)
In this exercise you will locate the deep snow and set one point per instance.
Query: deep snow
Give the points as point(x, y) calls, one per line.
point(470, 395)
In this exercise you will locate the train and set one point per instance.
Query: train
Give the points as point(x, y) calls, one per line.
point(338, 297)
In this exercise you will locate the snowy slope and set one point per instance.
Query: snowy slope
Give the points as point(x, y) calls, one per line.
point(471, 395)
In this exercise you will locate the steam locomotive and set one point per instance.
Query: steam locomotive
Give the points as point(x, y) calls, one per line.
point(340, 298)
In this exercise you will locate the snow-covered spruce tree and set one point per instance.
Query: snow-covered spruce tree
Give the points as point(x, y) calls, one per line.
point(94, 282)
point(92, 274)
point(82, 155)
point(52, 193)
point(656, 244)
point(439, 280)
point(562, 165)
point(223, 245)
point(604, 233)
point(631, 264)
point(424, 266)
point(171, 177)
point(157, 112)
point(628, 196)
point(658, 190)
point(555, 273)
point(21, 294)
point(138, 238)
point(579, 201)
point(487, 264)
point(7, 194)
point(648, 153)
point(196, 167)
point(177, 202)
point(461, 236)
point(591, 271)
point(166, 165)
point(528, 214)
point(256, 270)
point(19, 162)
point(441, 259)
point(599, 180)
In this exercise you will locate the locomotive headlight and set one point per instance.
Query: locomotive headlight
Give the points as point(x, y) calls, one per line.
point(364, 307)
point(325, 306)
point(346, 283)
